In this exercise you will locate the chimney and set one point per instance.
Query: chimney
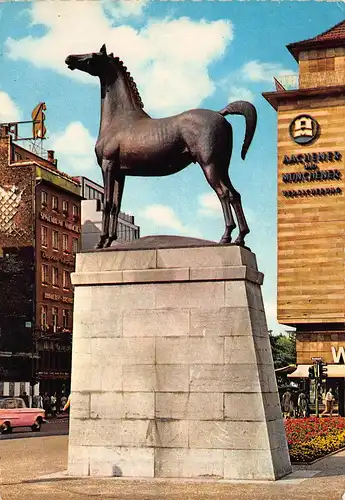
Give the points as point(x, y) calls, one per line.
point(50, 155)
point(4, 130)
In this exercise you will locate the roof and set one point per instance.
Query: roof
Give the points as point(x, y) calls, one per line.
point(274, 98)
point(333, 37)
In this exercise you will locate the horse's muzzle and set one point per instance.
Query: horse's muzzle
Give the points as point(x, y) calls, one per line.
point(69, 61)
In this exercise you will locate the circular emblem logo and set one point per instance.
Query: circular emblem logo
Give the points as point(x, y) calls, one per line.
point(304, 129)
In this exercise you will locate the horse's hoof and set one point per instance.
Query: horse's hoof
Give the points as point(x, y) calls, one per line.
point(225, 241)
point(239, 242)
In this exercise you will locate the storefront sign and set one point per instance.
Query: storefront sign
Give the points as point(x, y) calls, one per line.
point(329, 156)
point(304, 129)
point(312, 192)
point(59, 222)
point(338, 355)
point(67, 260)
point(58, 298)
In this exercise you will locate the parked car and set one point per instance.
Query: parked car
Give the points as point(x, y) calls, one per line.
point(14, 413)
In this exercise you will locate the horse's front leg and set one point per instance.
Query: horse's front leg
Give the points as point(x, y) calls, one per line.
point(115, 209)
point(107, 173)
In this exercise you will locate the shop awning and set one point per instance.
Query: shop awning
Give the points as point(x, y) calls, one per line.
point(333, 371)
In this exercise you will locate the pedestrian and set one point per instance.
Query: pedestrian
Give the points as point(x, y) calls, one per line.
point(67, 405)
point(302, 405)
point(46, 404)
point(286, 404)
point(39, 401)
point(63, 402)
point(329, 402)
point(26, 400)
point(53, 401)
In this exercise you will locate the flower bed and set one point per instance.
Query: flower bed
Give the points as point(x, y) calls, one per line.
point(312, 438)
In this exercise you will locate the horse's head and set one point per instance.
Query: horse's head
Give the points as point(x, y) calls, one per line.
point(94, 63)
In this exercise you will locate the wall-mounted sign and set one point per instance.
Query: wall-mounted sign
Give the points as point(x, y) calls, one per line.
point(58, 298)
point(306, 158)
point(304, 129)
point(59, 222)
point(67, 260)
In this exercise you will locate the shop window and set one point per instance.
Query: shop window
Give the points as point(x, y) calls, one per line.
point(44, 236)
point(55, 240)
point(55, 276)
point(45, 274)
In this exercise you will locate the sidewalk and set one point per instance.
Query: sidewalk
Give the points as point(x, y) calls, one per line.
point(24, 462)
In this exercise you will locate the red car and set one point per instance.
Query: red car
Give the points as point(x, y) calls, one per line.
point(14, 413)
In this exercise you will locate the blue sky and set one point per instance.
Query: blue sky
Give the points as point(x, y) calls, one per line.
point(182, 55)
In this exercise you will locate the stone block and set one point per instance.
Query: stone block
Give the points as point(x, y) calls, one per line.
point(228, 435)
point(165, 322)
point(120, 351)
point(105, 277)
point(215, 256)
point(259, 323)
point(276, 434)
point(95, 432)
point(187, 463)
point(171, 433)
point(139, 405)
point(252, 406)
point(189, 406)
point(78, 460)
point(139, 378)
point(247, 350)
point(231, 378)
point(222, 322)
point(118, 462)
point(172, 378)
point(119, 405)
point(248, 464)
point(235, 294)
point(254, 295)
point(138, 433)
point(90, 325)
point(218, 273)
point(115, 261)
point(189, 295)
point(189, 350)
point(81, 405)
point(156, 276)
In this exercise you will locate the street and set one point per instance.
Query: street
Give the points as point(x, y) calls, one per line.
point(53, 427)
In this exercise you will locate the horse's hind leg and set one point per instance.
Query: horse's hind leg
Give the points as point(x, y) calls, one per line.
point(219, 186)
point(235, 199)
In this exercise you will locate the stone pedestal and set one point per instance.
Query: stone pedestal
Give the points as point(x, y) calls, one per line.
point(172, 372)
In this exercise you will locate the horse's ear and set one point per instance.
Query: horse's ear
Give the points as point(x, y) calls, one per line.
point(103, 50)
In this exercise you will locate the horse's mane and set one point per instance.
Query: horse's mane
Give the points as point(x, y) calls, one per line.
point(117, 61)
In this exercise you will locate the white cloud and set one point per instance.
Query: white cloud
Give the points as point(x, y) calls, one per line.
point(210, 205)
point(240, 94)
point(74, 148)
point(164, 217)
point(168, 58)
point(9, 111)
point(124, 8)
point(257, 71)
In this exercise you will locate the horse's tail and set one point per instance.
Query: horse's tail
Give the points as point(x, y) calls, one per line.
point(247, 110)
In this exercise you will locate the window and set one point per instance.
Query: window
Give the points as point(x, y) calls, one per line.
point(75, 245)
point(44, 198)
point(75, 211)
point(44, 316)
point(54, 318)
point(55, 276)
point(65, 318)
point(65, 279)
point(44, 236)
point(55, 240)
point(65, 207)
point(55, 203)
point(45, 275)
point(65, 242)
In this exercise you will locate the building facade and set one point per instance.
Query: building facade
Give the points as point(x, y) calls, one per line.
point(91, 216)
point(39, 235)
point(311, 204)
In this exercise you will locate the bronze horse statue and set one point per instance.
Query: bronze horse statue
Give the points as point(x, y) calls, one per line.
point(130, 142)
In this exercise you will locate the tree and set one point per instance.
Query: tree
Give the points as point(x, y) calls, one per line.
point(283, 349)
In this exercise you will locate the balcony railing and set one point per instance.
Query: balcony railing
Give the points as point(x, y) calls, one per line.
point(286, 82)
